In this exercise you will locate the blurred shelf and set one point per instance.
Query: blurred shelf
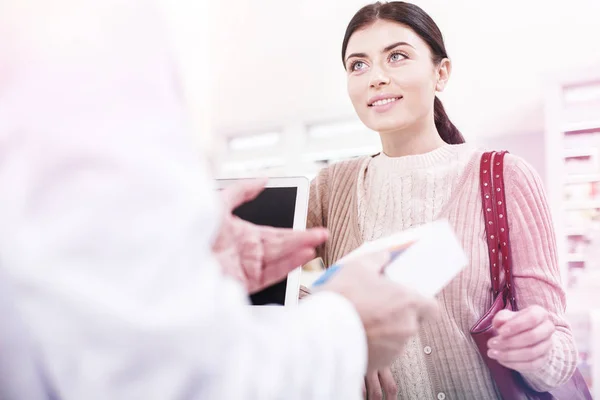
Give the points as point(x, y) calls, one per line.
point(580, 153)
point(572, 160)
point(582, 127)
point(582, 178)
point(582, 205)
point(576, 258)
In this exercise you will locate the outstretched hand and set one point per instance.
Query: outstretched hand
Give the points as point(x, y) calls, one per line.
point(259, 256)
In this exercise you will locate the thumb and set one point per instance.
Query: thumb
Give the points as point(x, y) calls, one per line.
point(502, 317)
point(243, 192)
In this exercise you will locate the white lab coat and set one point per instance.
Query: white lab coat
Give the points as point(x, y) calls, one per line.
point(106, 219)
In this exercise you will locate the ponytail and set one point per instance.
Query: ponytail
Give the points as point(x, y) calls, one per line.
point(448, 132)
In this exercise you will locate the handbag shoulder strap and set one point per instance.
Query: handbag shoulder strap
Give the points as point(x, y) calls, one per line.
point(496, 224)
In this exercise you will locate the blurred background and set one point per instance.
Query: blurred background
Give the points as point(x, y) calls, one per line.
point(267, 92)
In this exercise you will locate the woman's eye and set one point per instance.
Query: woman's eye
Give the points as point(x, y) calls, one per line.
point(358, 65)
point(395, 57)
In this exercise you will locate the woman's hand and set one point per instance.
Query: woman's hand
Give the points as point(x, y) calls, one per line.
point(524, 339)
point(380, 385)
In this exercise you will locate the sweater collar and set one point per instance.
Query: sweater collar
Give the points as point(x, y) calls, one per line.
point(439, 156)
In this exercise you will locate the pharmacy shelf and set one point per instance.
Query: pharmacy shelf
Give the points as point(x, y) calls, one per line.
point(582, 178)
point(582, 205)
point(576, 258)
point(572, 144)
point(582, 127)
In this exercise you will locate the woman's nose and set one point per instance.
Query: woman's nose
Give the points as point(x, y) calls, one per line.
point(379, 78)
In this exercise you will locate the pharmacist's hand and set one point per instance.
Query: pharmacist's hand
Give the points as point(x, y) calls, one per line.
point(259, 256)
point(390, 313)
point(380, 385)
point(524, 338)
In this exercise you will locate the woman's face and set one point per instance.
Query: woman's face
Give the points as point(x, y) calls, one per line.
point(392, 80)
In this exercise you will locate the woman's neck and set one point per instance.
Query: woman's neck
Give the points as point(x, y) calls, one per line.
point(410, 141)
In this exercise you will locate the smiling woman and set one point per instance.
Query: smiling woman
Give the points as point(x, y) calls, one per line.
point(396, 62)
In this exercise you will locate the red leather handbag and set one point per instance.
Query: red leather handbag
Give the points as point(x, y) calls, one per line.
point(510, 383)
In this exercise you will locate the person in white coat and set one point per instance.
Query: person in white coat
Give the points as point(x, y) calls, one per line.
point(110, 232)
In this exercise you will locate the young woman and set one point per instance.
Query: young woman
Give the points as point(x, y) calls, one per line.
point(395, 60)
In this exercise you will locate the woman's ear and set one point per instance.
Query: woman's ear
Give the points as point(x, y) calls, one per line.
point(443, 74)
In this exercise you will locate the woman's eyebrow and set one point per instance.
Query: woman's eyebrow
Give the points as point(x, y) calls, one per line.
point(386, 49)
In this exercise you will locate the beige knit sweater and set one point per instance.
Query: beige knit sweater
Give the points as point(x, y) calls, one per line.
point(370, 197)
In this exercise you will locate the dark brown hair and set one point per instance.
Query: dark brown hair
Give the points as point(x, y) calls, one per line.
point(421, 23)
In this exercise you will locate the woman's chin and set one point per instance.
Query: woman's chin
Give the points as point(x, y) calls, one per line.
point(388, 125)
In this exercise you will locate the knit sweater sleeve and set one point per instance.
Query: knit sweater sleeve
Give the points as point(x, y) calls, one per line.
point(318, 204)
point(536, 273)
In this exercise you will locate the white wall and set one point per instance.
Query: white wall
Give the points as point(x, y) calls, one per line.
point(190, 26)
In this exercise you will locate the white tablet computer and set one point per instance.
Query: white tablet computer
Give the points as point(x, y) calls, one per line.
point(283, 204)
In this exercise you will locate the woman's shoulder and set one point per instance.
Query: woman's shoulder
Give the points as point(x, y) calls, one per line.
point(518, 165)
point(345, 171)
point(333, 182)
point(518, 172)
point(521, 179)
point(515, 167)
point(521, 176)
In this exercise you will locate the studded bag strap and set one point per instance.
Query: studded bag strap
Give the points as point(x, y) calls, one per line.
point(491, 224)
point(496, 224)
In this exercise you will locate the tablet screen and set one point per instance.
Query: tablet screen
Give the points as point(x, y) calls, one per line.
point(275, 207)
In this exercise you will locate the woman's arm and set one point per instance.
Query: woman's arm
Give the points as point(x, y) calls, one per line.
point(318, 205)
point(536, 274)
point(317, 217)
